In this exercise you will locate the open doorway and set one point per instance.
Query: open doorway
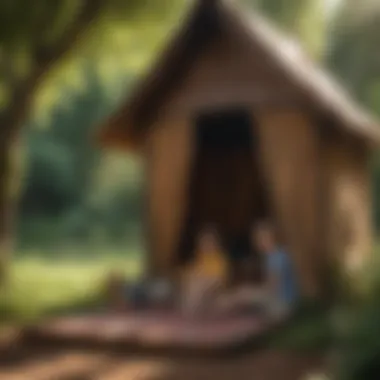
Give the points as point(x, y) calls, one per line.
point(226, 189)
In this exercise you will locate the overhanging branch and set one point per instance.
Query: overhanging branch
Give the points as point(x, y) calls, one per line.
point(45, 57)
point(23, 91)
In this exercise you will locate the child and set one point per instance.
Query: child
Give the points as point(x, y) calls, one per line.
point(281, 286)
point(206, 275)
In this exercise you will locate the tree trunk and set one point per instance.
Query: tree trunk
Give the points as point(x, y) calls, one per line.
point(11, 121)
point(9, 181)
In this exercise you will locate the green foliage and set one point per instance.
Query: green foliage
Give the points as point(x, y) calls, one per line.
point(45, 51)
point(351, 52)
point(73, 190)
point(305, 19)
point(50, 181)
point(359, 343)
point(61, 157)
point(376, 190)
point(353, 60)
point(35, 35)
point(311, 330)
point(357, 329)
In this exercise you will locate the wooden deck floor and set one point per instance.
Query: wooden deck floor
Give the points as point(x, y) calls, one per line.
point(32, 364)
point(149, 332)
point(18, 361)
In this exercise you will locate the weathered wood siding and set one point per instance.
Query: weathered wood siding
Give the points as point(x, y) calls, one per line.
point(291, 166)
point(228, 74)
point(169, 156)
point(319, 191)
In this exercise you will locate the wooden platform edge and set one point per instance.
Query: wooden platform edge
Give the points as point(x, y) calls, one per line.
point(33, 337)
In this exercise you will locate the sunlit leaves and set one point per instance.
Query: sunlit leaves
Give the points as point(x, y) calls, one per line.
point(304, 19)
point(353, 52)
point(115, 173)
point(120, 39)
point(311, 24)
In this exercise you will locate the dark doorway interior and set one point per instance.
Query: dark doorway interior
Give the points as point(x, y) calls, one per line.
point(225, 188)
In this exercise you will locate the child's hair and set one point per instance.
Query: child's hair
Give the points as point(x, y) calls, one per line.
point(206, 232)
point(267, 226)
point(264, 225)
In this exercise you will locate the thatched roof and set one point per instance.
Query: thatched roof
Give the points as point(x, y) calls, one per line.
point(205, 20)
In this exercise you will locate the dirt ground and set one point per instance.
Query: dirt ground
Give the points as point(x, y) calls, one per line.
point(31, 364)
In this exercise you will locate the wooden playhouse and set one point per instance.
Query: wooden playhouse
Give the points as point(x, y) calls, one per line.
point(235, 123)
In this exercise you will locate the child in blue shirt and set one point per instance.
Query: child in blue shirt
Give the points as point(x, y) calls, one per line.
point(280, 285)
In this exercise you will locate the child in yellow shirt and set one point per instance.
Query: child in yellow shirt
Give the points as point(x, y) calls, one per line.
point(206, 275)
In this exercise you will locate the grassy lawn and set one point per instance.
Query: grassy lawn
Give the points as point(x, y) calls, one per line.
point(40, 286)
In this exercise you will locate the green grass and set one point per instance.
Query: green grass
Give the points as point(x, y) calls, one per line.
point(39, 286)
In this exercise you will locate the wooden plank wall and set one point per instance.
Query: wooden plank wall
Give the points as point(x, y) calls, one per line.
point(290, 160)
point(169, 158)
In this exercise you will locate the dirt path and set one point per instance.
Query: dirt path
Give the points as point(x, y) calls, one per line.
point(29, 364)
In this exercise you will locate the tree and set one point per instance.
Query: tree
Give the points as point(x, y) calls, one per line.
point(354, 60)
point(62, 156)
point(35, 38)
point(355, 39)
point(305, 19)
